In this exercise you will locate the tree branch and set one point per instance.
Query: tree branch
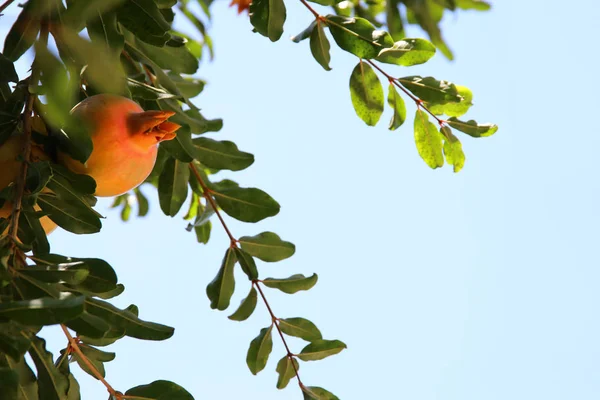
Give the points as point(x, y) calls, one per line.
point(27, 115)
point(6, 4)
point(207, 194)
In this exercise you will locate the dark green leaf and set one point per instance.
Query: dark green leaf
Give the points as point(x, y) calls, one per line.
point(319, 349)
point(9, 384)
point(407, 52)
point(93, 353)
point(55, 274)
point(220, 290)
point(7, 70)
point(109, 337)
point(221, 155)
point(173, 186)
point(292, 284)
point(286, 371)
point(142, 202)
point(300, 327)
point(159, 390)
point(23, 32)
point(396, 102)
point(97, 366)
point(268, 17)
point(43, 311)
point(366, 93)
point(53, 385)
point(12, 341)
point(145, 21)
point(103, 30)
point(246, 307)
point(259, 350)
point(140, 90)
point(246, 262)
point(78, 12)
point(452, 149)
point(246, 204)
point(472, 128)
point(305, 34)
point(317, 393)
point(319, 47)
point(127, 320)
point(89, 325)
point(428, 140)
point(27, 387)
point(358, 36)
point(430, 90)
point(74, 219)
point(177, 59)
point(267, 246)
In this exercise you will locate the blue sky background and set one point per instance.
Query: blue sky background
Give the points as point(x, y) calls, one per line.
point(469, 286)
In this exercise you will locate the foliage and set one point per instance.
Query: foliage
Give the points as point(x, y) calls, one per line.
point(153, 65)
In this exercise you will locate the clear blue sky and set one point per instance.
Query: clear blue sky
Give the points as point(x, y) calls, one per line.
point(469, 286)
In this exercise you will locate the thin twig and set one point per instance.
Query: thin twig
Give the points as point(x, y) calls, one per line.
point(207, 194)
point(312, 10)
point(75, 346)
point(290, 355)
point(6, 4)
point(27, 116)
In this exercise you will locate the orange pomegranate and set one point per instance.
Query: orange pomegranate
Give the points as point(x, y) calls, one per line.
point(242, 5)
point(9, 171)
point(125, 139)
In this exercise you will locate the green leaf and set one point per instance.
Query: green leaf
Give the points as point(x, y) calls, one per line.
point(80, 11)
point(430, 90)
point(396, 102)
point(93, 353)
point(320, 349)
point(267, 17)
point(286, 371)
point(221, 155)
point(140, 90)
point(454, 109)
point(305, 34)
point(127, 320)
point(407, 52)
point(246, 308)
point(267, 246)
point(142, 201)
point(173, 186)
point(188, 87)
point(145, 21)
point(428, 140)
point(89, 325)
point(101, 277)
point(182, 147)
point(7, 70)
point(159, 390)
point(9, 384)
point(109, 337)
point(55, 274)
point(366, 93)
point(220, 290)
point(292, 284)
point(247, 263)
point(472, 128)
point(246, 204)
point(53, 385)
point(358, 36)
point(478, 5)
point(300, 327)
point(453, 149)
point(76, 217)
point(97, 365)
point(177, 59)
point(317, 393)
point(23, 32)
point(27, 386)
point(103, 30)
point(43, 311)
point(12, 342)
point(259, 350)
point(319, 47)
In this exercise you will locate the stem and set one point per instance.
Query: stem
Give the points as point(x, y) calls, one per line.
point(312, 10)
point(414, 98)
point(6, 4)
point(26, 153)
point(212, 202)
point(75, 346)
point(255, 283)
point(275, 319)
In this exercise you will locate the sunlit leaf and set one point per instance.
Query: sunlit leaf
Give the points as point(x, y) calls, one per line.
point(259, 350)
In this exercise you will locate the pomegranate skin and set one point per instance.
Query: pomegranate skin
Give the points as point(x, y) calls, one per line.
point(125, 140)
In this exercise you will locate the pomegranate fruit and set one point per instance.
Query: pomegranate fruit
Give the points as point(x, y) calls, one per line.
point(125, 139)
point(9, 171)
